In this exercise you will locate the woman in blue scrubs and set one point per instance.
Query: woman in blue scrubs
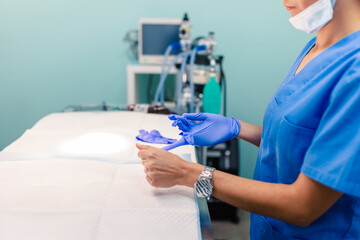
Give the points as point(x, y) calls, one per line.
point(307, 178)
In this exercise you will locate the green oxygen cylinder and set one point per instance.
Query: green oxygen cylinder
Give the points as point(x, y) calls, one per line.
point(212, 95)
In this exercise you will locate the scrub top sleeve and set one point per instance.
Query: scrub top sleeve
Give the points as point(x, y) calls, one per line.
point(333, 157)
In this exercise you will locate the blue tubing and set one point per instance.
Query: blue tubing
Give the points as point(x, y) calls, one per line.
point(180, 83)
point(191, 78)
point(166, 56)
point(171, 47)
point(163, 77)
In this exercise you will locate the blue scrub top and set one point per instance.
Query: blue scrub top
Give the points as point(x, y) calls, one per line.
point(312, 125)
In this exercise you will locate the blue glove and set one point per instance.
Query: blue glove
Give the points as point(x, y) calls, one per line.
point(204, 129)
point(154, 137)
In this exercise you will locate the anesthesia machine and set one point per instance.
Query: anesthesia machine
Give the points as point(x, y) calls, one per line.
point(200, 86)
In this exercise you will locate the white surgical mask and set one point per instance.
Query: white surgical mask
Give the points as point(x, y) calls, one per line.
point(314, 17)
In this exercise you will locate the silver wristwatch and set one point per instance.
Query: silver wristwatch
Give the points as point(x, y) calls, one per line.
point(203, 186)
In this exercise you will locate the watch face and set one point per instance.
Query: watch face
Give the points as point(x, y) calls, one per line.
point(203, 188)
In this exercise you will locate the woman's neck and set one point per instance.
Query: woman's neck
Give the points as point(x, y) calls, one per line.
point(346, 20)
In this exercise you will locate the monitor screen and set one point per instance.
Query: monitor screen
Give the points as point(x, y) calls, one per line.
point(157, 37)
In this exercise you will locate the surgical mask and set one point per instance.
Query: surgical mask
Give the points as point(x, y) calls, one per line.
point(314, 17)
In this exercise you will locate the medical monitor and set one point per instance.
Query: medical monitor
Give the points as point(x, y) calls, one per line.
point(155, 35)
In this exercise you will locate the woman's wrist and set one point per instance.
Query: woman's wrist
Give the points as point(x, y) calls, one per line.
point(191, 173)
point(241, 129)
point(250, 133)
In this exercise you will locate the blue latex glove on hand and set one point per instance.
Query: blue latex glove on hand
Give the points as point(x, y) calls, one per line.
point(204, 129)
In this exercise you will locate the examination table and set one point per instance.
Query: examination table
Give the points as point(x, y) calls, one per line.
point(76, 175)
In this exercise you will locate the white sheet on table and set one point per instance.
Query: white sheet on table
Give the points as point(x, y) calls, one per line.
point(106, 135)
point(113, 146)
point(94, 121)
point(107, 121)
point(66, 199)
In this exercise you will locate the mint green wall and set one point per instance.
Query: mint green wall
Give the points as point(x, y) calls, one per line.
point(54, 53)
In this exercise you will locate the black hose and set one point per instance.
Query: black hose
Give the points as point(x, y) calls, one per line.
point(223, 82)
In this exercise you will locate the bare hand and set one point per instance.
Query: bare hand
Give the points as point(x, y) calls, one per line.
point(162, 168)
